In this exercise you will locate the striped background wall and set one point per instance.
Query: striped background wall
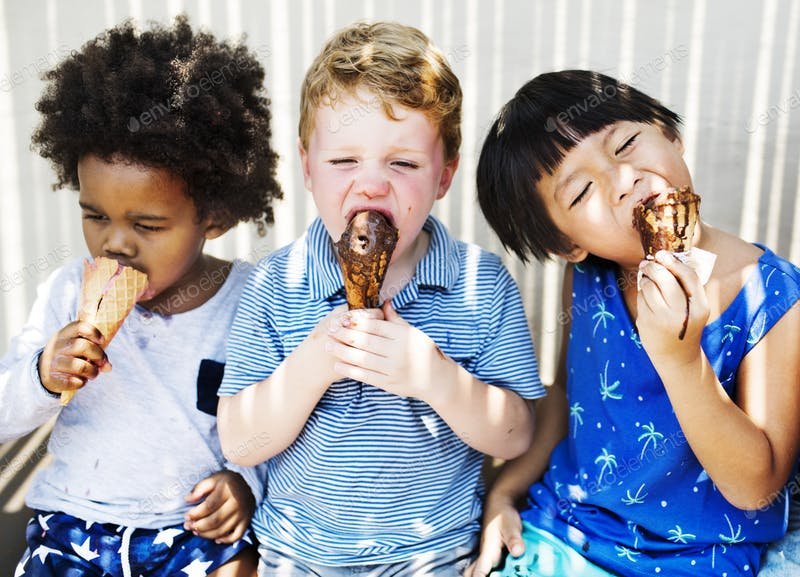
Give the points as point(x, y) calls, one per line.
point(730, 67)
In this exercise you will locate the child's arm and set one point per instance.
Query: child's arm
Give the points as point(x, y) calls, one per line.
point(27, 367)
point(747, 450)
point(263, 419)
point(502, 526)
point(394, 356)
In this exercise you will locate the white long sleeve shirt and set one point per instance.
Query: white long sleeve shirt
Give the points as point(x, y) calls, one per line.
point(132, 443)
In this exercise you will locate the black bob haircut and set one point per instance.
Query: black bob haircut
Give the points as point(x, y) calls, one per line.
point(166, 98)
point(544, 120)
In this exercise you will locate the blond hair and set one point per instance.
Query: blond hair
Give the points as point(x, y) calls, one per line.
point(398, 64)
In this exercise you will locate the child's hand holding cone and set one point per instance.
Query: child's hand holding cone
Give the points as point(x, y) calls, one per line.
point(75, 354)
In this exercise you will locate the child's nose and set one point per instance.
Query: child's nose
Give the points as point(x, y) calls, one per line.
point(629, 180)
point(118, 242)
point(372, 183)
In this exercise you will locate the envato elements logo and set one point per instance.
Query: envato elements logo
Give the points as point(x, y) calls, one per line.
point(32, 270)
point(34, 69)
point(652, 67)
point(790, 103)
point(204, 85)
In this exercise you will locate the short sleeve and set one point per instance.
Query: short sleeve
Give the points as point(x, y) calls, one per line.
point(507, 357)
point(254, 348)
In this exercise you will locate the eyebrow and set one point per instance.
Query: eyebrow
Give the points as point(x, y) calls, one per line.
point(609, 134)
point(130, 215)
point(560, 186)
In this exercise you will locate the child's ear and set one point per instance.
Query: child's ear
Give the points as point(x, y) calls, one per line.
point(304, 163)
point(575, 255)
point(448, 173)
point(214, 229)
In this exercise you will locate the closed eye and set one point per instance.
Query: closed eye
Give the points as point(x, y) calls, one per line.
point(628, 143)
point(405, 164)
point(148, 228)
point(341, 161)
point(578, 199)
point(91, 216)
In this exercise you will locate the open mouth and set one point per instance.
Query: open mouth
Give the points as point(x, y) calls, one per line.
point(388, 215)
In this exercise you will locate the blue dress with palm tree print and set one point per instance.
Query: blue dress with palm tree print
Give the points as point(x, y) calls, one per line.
point(624, 487)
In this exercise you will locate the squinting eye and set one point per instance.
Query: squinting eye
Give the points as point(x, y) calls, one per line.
point(150, 228)
point(93, 217)
point(581, 196)
point(341, 161)
point(405, 164)
point(628, 143)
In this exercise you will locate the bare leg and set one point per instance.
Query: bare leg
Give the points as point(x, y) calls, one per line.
point(245, 564)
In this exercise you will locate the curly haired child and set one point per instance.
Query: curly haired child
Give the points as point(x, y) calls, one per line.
point(677, 450)
point(165, 134)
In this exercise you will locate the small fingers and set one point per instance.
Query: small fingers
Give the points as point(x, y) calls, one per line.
point(354, 356)
point(218, 524)
point(73, 367)
point(206, 510)
point(89, 332)
point(362, 341)
point(86, 349)
point(238, 532)
point(60, 382)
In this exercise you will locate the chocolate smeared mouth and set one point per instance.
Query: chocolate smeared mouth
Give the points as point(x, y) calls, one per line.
point(364, 252)
point(667, 221)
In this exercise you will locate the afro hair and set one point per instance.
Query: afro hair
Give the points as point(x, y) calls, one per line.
point(166, 98)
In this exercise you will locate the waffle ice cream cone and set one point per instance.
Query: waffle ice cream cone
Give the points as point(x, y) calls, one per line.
point(364, 252)
point(110, 291)
point(667, 221)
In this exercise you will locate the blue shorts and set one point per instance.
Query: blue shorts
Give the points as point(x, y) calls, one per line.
point(782, 558)
point(547, 556)
point(60, 545)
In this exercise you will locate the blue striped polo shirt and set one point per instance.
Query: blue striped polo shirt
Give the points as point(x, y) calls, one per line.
point(374, 477)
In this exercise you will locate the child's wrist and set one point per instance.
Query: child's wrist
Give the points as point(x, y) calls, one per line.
point(306, 364)
point(444, 385)
point(500, 498)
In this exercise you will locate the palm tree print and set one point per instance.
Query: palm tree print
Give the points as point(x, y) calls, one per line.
point(651, 436)
point(734, 537)
point(627, 553)
point(575, 411)
point(678, 536)
point(606, 391)
point(635, 499)
point(769, 276)
point(608, 460)
point(730, 331)
point(601, 317)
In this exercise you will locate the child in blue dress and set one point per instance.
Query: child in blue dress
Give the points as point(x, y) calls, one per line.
point(676, 451)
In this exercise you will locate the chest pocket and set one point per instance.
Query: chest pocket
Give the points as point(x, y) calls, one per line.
point(209, 378)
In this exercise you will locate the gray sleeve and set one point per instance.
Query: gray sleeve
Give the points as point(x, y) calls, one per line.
point(24, 403)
